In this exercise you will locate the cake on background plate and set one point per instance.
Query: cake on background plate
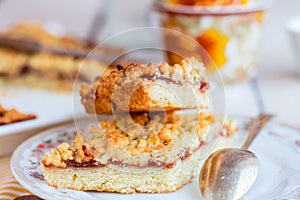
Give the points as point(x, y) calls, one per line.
point(27, 59)
point(8, 116)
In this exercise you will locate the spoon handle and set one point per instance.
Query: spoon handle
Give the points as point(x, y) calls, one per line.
point(256, 125)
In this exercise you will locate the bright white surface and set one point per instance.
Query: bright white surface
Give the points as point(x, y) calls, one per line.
point(279, 84)
point(293, 24)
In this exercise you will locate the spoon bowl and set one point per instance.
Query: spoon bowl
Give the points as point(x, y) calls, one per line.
point(228, 173)
point(230, 170)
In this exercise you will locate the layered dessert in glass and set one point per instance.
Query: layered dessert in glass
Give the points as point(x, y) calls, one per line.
point(229, 31)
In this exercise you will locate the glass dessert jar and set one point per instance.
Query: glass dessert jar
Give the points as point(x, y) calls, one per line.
point(230, 32)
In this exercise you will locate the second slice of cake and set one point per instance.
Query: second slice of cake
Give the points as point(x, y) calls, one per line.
point(148, 87)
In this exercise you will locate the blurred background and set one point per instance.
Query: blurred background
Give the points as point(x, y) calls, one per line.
point(99, 19)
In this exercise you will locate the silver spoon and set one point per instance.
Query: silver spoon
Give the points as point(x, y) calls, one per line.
point(228, 173)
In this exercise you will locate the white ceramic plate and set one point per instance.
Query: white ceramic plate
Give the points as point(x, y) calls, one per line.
point(277, 147)
point(50, 107)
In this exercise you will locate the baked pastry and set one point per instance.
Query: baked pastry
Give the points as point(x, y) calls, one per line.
point(8, 116)
point(148, 87)
point(44, 69)
point(138, 155)
point(149, 145)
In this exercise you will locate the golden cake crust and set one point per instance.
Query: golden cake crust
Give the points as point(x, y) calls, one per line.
point(144, 87)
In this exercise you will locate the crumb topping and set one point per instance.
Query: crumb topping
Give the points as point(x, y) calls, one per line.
point(58, 156)
point(133, 144)
point(229, 128)
point(188, 70)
